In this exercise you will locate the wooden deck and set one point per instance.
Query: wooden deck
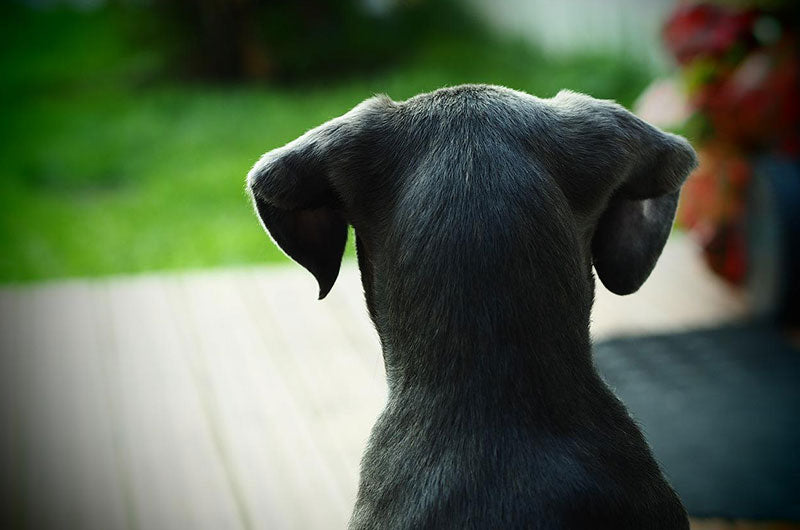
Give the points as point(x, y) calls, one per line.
point(223, 399)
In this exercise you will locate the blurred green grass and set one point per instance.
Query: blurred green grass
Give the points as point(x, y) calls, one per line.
point(109, 169)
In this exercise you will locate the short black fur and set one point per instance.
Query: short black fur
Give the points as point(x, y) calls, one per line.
point(479, 212)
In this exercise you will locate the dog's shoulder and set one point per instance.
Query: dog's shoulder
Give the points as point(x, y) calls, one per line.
point(510, 479)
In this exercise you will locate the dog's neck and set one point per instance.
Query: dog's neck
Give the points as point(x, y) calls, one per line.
point(519, 334)
point(494, 290)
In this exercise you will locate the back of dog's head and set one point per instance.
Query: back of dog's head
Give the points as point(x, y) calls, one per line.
point(476, 201)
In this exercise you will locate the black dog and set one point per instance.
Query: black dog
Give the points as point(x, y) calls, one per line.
point(479, 212)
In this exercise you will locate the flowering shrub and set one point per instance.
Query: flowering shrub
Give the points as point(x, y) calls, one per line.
point(740, 67)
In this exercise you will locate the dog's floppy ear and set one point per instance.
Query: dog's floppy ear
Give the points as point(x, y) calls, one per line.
point(636, 223)
point(295, 198)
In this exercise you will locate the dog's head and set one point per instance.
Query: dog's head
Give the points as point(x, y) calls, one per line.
point(482, 177)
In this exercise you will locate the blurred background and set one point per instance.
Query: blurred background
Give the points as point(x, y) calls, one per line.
point(129, 126)
point(159, 369)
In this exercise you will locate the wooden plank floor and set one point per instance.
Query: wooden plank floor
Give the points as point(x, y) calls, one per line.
point(224, 399)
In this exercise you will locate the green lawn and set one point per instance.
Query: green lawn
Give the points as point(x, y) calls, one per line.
point(108, 169)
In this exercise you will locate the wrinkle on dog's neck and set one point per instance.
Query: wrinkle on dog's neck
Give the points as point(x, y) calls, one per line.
point(531, 367)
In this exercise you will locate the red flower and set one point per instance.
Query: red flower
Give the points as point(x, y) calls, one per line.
point(706, 30)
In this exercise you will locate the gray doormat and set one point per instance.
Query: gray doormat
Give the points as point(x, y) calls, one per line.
point(721, 409)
